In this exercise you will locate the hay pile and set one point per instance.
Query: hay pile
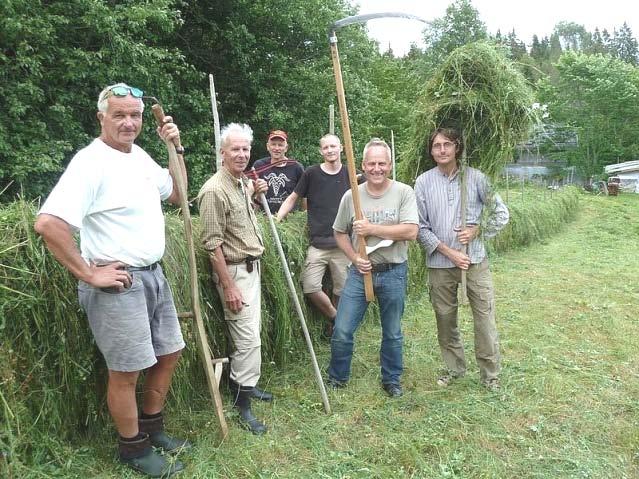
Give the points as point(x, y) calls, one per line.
point(478, 91)
point(53, 378)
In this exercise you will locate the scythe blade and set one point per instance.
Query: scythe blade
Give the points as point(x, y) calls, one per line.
point(371, 16)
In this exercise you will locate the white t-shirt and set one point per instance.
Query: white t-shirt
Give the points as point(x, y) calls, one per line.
point(114, 199)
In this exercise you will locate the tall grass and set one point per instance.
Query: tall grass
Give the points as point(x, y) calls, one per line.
point(52, 378)
point(51, 373)
point(536, 216)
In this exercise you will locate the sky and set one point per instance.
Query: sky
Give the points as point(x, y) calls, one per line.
point(527, 17)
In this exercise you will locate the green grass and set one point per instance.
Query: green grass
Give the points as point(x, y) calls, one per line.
point(567, 316)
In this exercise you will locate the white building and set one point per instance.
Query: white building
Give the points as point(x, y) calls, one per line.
point(628, 174)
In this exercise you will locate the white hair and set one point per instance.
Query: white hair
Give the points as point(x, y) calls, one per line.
point(241, 129)
point(377, 142)
point(103, 97)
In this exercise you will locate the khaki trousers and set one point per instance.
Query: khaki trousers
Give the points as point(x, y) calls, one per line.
point(244, 327)
point(443, 296)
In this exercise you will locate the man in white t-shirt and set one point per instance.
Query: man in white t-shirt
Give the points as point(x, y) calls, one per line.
point(111, 192)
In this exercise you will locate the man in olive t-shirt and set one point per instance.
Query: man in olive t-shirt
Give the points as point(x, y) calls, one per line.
point(390, 213)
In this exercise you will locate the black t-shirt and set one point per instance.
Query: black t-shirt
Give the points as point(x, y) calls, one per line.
point(281, 181)
point(323, 193)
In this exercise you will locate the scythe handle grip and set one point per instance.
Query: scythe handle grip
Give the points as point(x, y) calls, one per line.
point(158, 113)
point(175, 162)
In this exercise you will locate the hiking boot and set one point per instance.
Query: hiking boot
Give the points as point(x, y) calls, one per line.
point(492, 384)
point(140, 456)
point(445, 379)
point(393, 390)
point(154, 427)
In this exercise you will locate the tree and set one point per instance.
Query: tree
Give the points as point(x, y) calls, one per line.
point(597, 96)
point(516, 46)
point(460, 25)
point(625, 45)
point(53, 65)
point(573, 36)
point(555, 47)
point(270, 58)
point(598, 45)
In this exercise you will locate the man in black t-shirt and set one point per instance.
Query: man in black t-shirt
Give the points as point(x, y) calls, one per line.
point(281, 173)
point(323, 187)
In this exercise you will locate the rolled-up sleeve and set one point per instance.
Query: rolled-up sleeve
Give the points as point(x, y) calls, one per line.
point(498, 217)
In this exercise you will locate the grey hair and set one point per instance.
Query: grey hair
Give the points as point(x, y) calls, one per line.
point(377, 142)
point(329, 135)
point(103, 97)
point(241, 129)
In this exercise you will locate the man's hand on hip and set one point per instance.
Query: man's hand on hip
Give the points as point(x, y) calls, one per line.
point(112, 275)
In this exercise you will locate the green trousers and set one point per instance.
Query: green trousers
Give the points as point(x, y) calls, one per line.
point(443, 284)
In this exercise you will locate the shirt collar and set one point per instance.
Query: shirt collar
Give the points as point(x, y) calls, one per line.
point(239, 182)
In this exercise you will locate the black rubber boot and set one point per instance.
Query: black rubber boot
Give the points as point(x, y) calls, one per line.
point(154, 427)
point(242, 401)
point(262, 395)
point(139, 455)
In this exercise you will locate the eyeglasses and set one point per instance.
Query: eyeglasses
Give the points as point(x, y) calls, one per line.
point(447, 145)
point(125, 90)
point(120, 90)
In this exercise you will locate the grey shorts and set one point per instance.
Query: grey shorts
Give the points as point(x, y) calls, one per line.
point(133, 327)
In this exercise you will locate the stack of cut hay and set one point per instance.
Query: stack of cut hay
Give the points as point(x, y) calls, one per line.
point(478, 91)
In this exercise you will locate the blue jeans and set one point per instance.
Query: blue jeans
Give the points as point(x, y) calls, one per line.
point(390, 291)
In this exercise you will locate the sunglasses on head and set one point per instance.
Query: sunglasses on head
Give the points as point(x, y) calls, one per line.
point(125, 90)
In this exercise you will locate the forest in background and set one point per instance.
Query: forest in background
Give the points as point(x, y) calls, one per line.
point(272, 69)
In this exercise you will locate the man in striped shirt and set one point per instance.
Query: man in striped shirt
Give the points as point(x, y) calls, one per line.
point(451, 249)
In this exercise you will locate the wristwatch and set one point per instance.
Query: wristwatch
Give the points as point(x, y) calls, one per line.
point(179, 150)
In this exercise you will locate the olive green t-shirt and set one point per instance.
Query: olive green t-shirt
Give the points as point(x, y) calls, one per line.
point(397, 205)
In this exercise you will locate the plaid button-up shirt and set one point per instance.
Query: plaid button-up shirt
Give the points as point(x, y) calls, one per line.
point(228, 219)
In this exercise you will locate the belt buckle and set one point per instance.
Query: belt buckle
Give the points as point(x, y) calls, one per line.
point(249, 264)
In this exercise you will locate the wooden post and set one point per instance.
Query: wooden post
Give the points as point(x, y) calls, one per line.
point(216, 124)
point(331, 119)
point(350, 157)
point(393, 155)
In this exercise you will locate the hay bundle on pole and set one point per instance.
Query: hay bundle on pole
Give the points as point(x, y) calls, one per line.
point(478, 91)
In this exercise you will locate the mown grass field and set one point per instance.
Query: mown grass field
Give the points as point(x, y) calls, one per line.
point(568, 314)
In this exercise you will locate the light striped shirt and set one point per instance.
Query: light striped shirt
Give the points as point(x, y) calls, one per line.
point(228, 219)
point(439, 207)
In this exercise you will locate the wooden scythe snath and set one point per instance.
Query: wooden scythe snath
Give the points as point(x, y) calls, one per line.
point(295, 299)
point(212, 367)
point(346, 129)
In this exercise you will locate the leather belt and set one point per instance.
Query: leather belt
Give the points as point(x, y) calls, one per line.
point(249, 260)
point(381, 267)
point(150, 267)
